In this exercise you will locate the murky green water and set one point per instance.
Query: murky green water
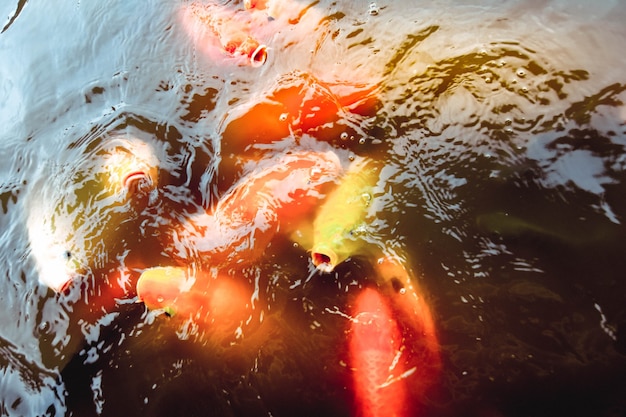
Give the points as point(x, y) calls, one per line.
point(502, 130)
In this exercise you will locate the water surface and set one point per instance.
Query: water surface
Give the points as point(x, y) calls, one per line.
point(502, 129)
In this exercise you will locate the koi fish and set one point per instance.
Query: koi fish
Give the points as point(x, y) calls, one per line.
point(410, 306)
point(340, 228)
point(221, 302)
point(247, 217)
point(393, 347)
point(562, 229)
point(300, 103)
point(74, 212)
point(374, 346)
point(212, 23)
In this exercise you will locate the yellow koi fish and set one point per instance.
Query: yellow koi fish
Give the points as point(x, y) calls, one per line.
point(340, 228)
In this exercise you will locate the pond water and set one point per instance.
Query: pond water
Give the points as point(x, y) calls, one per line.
point(501, 130)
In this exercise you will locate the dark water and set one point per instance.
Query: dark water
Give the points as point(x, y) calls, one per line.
point(502, 127)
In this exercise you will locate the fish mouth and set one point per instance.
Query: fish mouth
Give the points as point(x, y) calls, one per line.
point(65, 287)
point(324, 259)
point(258, 56)
point(138, 182)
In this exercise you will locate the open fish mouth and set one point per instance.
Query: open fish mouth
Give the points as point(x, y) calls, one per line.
point(324, 260)
point(258, 56)
point(138, 182)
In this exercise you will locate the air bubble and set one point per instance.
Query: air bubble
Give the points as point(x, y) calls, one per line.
point(344, 136)
point(283, 117)
point(521, 73)
point(362, 141)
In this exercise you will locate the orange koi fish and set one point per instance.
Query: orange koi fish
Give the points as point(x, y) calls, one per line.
point(219, 302)
point(300, 103)
point(410, 306)
point(374, 347)
point(212, 24)
point(393, 347)
point(246, 218)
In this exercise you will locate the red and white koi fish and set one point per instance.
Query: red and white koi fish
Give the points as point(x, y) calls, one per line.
point(216, 26)
point(272, 198)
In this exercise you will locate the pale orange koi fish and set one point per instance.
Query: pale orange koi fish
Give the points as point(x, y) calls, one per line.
point(212, 24)
point(283, 192)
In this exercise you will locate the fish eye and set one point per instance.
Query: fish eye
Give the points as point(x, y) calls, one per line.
point(67, 255)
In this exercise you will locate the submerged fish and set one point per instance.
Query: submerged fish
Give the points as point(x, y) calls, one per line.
point(393, 348)
point(74, 212)
point(220, 302)
point(214, 23)
point(340, 228)
point(565, 230)
point(273, 197)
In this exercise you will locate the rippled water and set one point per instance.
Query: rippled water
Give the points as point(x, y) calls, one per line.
point(502, 130)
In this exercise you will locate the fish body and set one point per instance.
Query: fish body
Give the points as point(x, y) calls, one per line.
point(410, 306)
point(340, 227)
point(561, 229)
point(218, 303)
point(282, 192)
point(393, 347)
point(374, 346)
point(213, 24)
point(71, 224)
point(299, 103)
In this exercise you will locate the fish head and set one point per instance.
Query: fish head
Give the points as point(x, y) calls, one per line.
point(340, 228)
point(159, 288)
point(128, 168)
point(77, 209)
